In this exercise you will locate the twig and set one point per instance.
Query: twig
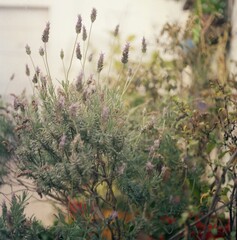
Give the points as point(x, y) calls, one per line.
point(218, 189)
point(70, 64)
point(212, 208)
point(199, 220)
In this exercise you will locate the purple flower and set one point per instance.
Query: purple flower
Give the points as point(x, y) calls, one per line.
point(78, 52)
point(45, 35)
point(73, 109)
point(79, 81)
point(124, 58)
point(93, 15)
point(27, 70)
point(84, 33)
point(28, 51)
point(116, 31)
point(61, 54)
point(62, 141)
point(61, 102)
point(100, 63)
point(144, 45)
point(41, 51)
point(105, 113)
point(79, 24)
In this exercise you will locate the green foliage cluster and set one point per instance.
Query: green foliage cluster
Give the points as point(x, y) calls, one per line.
point(15, 225)
point(214, 6)
point(7, 140)
point(154, 159)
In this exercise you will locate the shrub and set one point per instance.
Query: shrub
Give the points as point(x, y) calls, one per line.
point(125, 165)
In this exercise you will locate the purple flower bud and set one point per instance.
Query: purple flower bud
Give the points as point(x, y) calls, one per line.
point(79, 24)
point(73, 109)
point(90, 79)
point(129, 72)
point(124, 58)
point(93, 15)
point(62, 54)
point(116, 31)
point(144, 45)
point(41, 51)
point(35, 78)
point(61, 102)
point(62, 141)
point(45, 35)
point(16, 103)
point(90, 57)
point(105, 113)
point(100, 63)
point(78, 52)
point(84, 33)
point(27, 70)
point(28, 51)
point(43, 81)
point(37, 71)
point(79, 81)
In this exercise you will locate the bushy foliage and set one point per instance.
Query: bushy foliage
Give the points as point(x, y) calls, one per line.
point(15, 225)
point(7, 140)
point(144, 156)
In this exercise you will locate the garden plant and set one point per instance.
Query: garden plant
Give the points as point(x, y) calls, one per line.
point(134, 152)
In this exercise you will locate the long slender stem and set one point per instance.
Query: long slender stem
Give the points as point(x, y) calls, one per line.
point(111, 59)
point(129, 79)
point(33, 64)
point(86, 50)
point(218, 189)
point(178, 234)
point(45, 65)
point(46, 60)
point(64, 70)
point(72, 55)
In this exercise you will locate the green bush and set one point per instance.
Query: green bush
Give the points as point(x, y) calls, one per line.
point(7, 140)
point(124, 163)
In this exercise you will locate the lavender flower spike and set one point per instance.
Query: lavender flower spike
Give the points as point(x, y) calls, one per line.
point(84, 33)
point(144, 45)
point(124, 58)
point(41, 51)
point(78, 52)
point(79, 24)
point(93, 15)
point(28, 51)
point(62, 54)
point(27, 70)
point(116, 31)
point(100, 63)
point(45, 35)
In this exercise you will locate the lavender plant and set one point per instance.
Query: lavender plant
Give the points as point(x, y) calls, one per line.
point(75, 141)
point(125, 164)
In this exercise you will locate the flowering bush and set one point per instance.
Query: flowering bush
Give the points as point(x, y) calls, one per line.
point(124, 163)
